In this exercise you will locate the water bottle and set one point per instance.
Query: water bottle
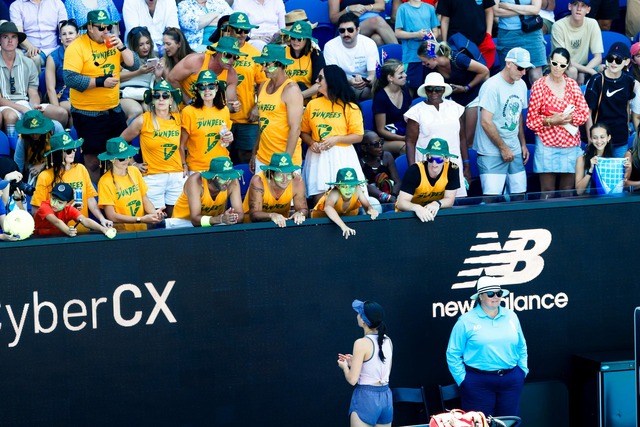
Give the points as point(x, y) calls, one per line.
point(223, 131)
point(77, 197)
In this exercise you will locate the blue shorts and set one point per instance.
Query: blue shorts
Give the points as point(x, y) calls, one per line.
point(496, 175)
point(244, 135)
point(373, 404)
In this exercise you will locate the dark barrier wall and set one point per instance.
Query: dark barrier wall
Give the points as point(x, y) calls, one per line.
point(242, 326)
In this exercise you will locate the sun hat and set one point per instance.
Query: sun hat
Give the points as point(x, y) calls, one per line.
point(620, 49)
point(486, 284)
point(63, 141)
point(162, 86)
point(10, 27)
point(63, 191)
point(227, 44)
point(118, 148)
point(300, 30)
point(434, 79)
point(221, 167)
point(437, 147)
point(208, 76)
point(520, 57)
point(240, 20)
point(358, 306)
point(347, 176)
point(297, 15)
point(98, 17)
point(280, 162)
point(273, 53)
point(34, 122)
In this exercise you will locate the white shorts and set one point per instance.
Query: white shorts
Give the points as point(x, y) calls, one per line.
point(164, 188)
point(24, 104)
point(495, 174)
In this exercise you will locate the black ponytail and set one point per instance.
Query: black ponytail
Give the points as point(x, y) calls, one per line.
point(375, 314)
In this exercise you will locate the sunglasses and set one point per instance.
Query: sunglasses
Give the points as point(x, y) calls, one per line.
point(126, 159)
point(436, 89)
point(230, 56)
point(612, 58)
point(163, 95)
point(350, 30)
point(521, 69)
point(70, 151)
point(557, 64)
point(376, 144)
point(436, 160)
point(296, 39)
point(66, 22)
point(210, 86)
point(494, 294)
point(239, 30)
point(12, 82)
point(101, 28)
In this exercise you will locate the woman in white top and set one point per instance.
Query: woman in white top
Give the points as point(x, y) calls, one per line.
point(369, 368)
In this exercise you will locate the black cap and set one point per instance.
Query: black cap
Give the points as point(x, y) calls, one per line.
point(63, 191)
point(620, 49)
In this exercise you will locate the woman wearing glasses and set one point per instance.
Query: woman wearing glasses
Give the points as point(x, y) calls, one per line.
point(379, 168)
point(206, 124)
point(331, 124)
point(430, 185)
point(159, 131)
point(556, 110)
point(122, 193)
point(437, 117)
point(307, 58)
point(57, 90)
point(63, 168)
point(487, 353)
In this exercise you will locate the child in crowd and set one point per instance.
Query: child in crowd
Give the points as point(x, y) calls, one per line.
point(54, 215)
point(344, 199)
point(379, 168)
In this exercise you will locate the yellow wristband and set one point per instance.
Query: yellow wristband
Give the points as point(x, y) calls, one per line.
point(205, 221)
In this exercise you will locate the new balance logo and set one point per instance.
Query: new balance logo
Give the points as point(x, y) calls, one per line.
point(517, 261)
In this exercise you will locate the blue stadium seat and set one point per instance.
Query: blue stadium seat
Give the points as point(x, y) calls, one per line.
point(529, 166)
point(473, 163)
point(529, 135)
point(317, 11)
point(5, 147)
point(547, 44)
point(245, 179)
point(324, 32)
point(417, 101)
point(402, 165)
point(609, 38)
point(393, 50)
point(367, 114)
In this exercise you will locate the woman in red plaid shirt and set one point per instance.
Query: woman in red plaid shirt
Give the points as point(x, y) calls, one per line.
point(556, 109)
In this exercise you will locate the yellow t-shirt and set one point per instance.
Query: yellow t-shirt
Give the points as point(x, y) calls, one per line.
point(274, 126)
point(76, 177)
point(203, 126)
point(301, 69)
point(160, 148)
point(125, 194)
point(350, 210)
point(322, 119)
point(208, 205)
point(81, 57)
point(270, 204)
point(249, 74)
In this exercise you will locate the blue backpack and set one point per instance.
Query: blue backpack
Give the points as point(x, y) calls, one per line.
point(459, 43)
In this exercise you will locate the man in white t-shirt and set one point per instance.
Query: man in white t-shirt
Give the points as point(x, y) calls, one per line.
point(356, 54)
point(579, 35)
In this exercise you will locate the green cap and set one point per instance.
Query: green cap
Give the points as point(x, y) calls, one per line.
point(437, 147)
point(98, 17)
point(63, 141)
point(118, 148)
point(221, 167)
point(280, 162)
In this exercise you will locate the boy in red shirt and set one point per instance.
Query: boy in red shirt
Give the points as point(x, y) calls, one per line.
point(54, 215)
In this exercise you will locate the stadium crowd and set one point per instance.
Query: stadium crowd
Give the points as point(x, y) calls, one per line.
point(199, 113)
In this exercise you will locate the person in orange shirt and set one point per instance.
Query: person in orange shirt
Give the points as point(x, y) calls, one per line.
point(430, 185)
point(280, 103)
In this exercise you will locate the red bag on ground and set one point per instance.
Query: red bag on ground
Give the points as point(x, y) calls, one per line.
point(459, 418)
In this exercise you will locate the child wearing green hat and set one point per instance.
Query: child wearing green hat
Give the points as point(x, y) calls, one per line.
point(35, 130)
point(344, 199)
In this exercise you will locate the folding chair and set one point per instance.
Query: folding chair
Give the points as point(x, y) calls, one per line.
point(413, 396)
point(449, 393)
point(506, 421)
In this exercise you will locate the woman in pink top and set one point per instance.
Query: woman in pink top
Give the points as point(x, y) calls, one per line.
point(369, 368)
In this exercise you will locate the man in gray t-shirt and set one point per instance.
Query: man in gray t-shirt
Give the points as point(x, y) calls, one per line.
point(499, 138)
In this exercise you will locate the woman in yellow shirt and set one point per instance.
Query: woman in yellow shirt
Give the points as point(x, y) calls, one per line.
point(206, 124)
point(307, 58)
point(122, 192)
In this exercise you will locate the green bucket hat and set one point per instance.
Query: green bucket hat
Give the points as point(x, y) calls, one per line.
point(98, 17)
point(281, 162)
point(34, 122)
point(347, 176)
point(227, 44)
point(240, 20)
point(208, 76)
point(223, 168)
point(437, 147)
point(162, 86)
point(273, 53)
point(300, 30)
point(63, 141)
point(118, 148)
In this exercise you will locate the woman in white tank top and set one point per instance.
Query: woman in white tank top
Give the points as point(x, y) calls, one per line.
point(368, 368)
